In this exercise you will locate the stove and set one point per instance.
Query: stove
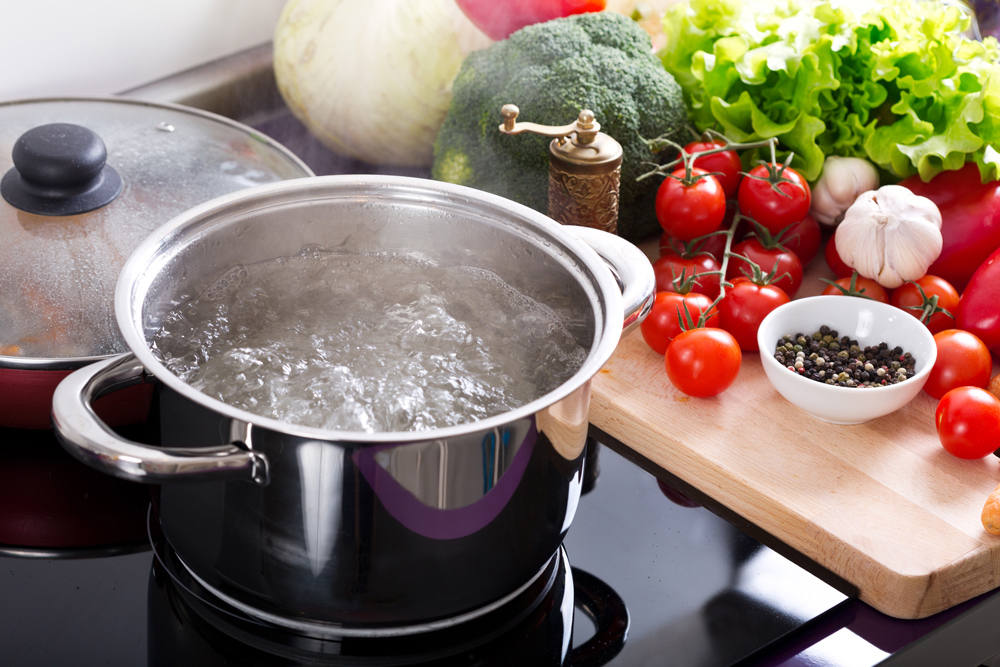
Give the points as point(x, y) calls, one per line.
point(644, 575)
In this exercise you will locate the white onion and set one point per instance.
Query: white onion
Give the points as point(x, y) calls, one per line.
point(372, 80)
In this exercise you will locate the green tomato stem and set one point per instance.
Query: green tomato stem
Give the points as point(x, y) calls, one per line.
point(723, 265)
point(687, 159)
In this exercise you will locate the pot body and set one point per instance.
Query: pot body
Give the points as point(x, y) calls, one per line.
point(53, 507)
point(380, 539)
point(354, 533)
point(26, 399)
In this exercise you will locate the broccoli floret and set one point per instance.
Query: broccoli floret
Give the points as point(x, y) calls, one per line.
point(599, 61)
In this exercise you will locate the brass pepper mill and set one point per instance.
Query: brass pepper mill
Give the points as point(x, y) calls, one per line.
point(584, 169)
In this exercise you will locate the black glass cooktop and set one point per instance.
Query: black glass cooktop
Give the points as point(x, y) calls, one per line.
point(659, 580)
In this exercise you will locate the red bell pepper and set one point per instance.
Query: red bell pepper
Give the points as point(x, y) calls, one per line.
point(499, 18)
point(970, 211)
point(979, 307)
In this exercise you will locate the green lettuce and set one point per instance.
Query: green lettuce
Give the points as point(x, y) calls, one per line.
point(894, 81)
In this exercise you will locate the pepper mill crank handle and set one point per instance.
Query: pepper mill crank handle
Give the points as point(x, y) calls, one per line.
point(509, 113)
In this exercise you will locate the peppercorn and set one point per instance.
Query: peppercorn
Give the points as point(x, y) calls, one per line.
point(824, 356)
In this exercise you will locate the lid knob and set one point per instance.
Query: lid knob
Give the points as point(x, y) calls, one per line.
point(60, 169)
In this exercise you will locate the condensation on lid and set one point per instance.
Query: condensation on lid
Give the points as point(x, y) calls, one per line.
point(58, 274)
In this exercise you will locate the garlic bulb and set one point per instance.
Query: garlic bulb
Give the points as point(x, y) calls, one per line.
point(843, 179)
point(890, 235)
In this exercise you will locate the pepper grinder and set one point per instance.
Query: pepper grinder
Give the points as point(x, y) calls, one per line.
point(584, 169)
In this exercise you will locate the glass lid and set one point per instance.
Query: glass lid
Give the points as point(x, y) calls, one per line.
point(83, 182)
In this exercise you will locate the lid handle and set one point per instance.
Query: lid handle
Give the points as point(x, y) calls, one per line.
point(60, 169)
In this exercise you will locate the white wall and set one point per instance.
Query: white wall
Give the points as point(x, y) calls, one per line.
point(101, 47)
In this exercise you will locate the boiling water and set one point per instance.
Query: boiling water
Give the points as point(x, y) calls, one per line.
point(376, 342)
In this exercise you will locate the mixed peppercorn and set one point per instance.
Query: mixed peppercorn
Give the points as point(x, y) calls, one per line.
point(825, 357)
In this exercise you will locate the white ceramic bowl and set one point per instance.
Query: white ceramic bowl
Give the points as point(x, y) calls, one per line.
point(870, 323)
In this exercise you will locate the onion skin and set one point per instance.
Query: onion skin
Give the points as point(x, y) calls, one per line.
point(991, 513)
point(500, 18)
point(372, 80)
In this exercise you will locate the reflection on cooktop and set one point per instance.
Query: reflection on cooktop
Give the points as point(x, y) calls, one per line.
point(698, 592)
point(187, 626)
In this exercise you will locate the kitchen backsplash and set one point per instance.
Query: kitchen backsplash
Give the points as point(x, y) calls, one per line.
point(101, 47)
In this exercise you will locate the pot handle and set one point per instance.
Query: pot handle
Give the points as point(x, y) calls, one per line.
point(91, 441)
point(631, 269)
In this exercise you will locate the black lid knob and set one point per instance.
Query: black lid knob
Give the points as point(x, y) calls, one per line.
point(60, 169)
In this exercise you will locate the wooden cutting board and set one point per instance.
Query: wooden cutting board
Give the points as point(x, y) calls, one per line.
point(880, 504)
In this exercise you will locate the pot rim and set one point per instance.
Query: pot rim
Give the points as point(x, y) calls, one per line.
point(142, 265)
point(74, 363)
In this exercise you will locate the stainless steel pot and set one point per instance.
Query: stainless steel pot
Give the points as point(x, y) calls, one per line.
point(351, 533)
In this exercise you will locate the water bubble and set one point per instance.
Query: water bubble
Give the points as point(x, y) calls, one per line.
point(369, 342)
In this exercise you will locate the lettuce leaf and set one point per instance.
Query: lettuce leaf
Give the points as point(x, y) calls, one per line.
point(894, 81)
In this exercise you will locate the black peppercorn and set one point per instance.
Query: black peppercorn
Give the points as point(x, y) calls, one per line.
point(824, 356)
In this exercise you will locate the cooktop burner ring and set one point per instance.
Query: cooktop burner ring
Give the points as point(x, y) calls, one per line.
point(195, 586)
point(73, 553)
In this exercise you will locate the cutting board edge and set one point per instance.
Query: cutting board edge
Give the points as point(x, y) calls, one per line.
point(907, 595)
point(935, 592)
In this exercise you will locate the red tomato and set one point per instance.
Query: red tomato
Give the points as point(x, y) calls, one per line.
point(726, 163)
point(714, 245)
point(837, 265)
point(979, 307)
point(968, 422)
point(703, 362)
point(690, 211)
point(907, 295)
point(758, 199)
point(962, 361)
point(663, 323)
point(745, 305)
point(765, 258)
point(866, 286)
point(670, 266)
point(970, 213)
point(803, 238)
point(499, 19)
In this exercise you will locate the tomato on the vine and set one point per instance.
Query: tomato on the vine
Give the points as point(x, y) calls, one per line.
point(908, 296)
point(759, 198)
point(743, 308)
point(687, 210)
point(785, 261)
point(671, 266)
point(837, 265)
point(803, 238)
point(703, 362)
point(968, 422)
point(962, 361)
point(725, 165)
point(714, 245)
point(864, 286)
point(664, 321)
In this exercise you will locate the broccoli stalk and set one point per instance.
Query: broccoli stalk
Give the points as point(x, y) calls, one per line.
point(599, 61)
